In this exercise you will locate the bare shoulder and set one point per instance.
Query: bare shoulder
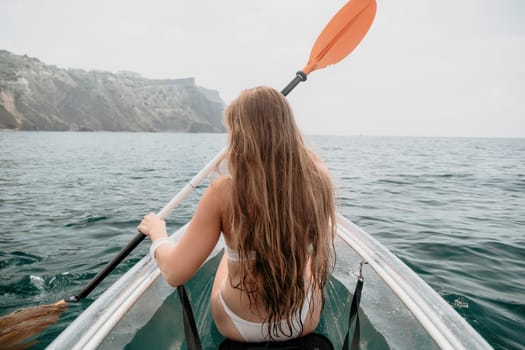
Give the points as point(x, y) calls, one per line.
point(321, 166)
point(218, 190)
point(323, 169)
point(221, 185)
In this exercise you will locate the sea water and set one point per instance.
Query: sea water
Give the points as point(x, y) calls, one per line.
point(453, 209)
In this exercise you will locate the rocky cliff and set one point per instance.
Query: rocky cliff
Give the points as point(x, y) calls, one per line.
point(36, 96)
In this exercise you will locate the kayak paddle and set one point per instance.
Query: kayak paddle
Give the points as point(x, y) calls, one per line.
point(340, 37)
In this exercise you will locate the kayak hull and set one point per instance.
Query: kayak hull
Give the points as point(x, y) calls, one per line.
point(398, 309)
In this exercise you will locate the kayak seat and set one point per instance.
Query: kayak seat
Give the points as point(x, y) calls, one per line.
point(312, 341)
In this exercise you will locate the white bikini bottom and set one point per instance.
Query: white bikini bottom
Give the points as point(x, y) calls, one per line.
point(258, 332)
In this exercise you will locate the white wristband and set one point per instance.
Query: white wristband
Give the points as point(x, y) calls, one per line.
point(158, 243)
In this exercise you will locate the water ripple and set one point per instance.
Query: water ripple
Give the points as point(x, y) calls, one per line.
point(452, 209)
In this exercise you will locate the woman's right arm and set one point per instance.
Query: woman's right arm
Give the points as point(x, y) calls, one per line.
point(180, 262)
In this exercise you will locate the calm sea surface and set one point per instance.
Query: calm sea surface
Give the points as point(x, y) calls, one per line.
point(453, 209)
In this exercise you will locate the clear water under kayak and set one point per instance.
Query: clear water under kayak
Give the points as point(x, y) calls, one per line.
point(398, 309)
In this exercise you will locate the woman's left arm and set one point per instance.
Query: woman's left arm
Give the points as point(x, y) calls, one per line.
point(180, 262)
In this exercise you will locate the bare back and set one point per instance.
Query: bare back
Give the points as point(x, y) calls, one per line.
point(228, 276)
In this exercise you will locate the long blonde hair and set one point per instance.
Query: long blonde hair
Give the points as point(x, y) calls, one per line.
point(282, 206)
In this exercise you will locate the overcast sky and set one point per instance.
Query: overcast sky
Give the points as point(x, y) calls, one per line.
point(426, 67)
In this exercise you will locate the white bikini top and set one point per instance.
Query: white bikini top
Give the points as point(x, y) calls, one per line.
point(233, 255)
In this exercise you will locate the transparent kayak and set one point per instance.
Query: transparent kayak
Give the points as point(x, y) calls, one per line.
point(398, 309)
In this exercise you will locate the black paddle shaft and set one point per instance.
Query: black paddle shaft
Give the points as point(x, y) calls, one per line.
point(139, 237)
point(300, 76)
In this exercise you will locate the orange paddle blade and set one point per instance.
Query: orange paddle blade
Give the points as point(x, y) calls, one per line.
point(342, 34)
